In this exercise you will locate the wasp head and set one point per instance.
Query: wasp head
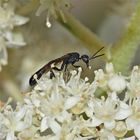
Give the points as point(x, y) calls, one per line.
point(85, 59)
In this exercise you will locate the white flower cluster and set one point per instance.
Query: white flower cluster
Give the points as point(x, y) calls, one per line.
point(9, 38)
point(73, 109)
point(52, 7)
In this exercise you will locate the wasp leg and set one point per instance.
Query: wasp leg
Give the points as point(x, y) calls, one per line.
point(55, 68)
point(52, 74)
point(76, 66)
point(62, 66)
point(66, 65)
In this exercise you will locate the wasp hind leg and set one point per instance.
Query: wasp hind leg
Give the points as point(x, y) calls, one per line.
point(59, 69)
point(52, 74)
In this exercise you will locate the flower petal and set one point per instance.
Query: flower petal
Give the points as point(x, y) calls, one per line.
point(10, 136)
point(21, 126)
point(14, 39)
point(130, 138)
point(131, 123)
point(117, 83)
point(109, 124)
point(124, 111)
point(55, 127)
point(20, 114)
point(71, 101)
point(137, 131)
point(20, 20)
point(94, 122)
point(44, 124)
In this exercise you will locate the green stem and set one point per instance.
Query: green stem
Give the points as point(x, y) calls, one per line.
point(125, 49)
point(90, 39)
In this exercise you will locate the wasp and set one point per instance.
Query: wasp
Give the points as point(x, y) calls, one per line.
point(69, 58)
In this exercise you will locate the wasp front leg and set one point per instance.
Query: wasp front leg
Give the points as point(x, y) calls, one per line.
point(76, 66)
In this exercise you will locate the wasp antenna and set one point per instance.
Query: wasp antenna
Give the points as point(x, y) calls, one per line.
point(97, 56)
point(94, 55)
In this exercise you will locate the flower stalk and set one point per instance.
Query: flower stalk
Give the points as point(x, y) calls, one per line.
point(91, 41)
point(124, 50)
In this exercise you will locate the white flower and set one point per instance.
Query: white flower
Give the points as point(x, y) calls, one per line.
point(79, 87)
point(133, 121)
point(109, 68)
point(8, 20)
point(72, 101)
point(117, 83)
point(134, 84)
point(48, 122)
point(124, 111)
point(3, 53)
point(137, 131)
point(52, 7)
point(15, 121)
point(77, 90)
point(102, 111)
point(51, 108)
point(106, 135)
point(14, 39)
point(58, 109)
point(3, 129)
point(102, 77)
point(110, 79)
point(107, 111)
point(81, 90)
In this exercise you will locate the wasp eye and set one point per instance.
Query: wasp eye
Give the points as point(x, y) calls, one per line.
point(85, 58)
